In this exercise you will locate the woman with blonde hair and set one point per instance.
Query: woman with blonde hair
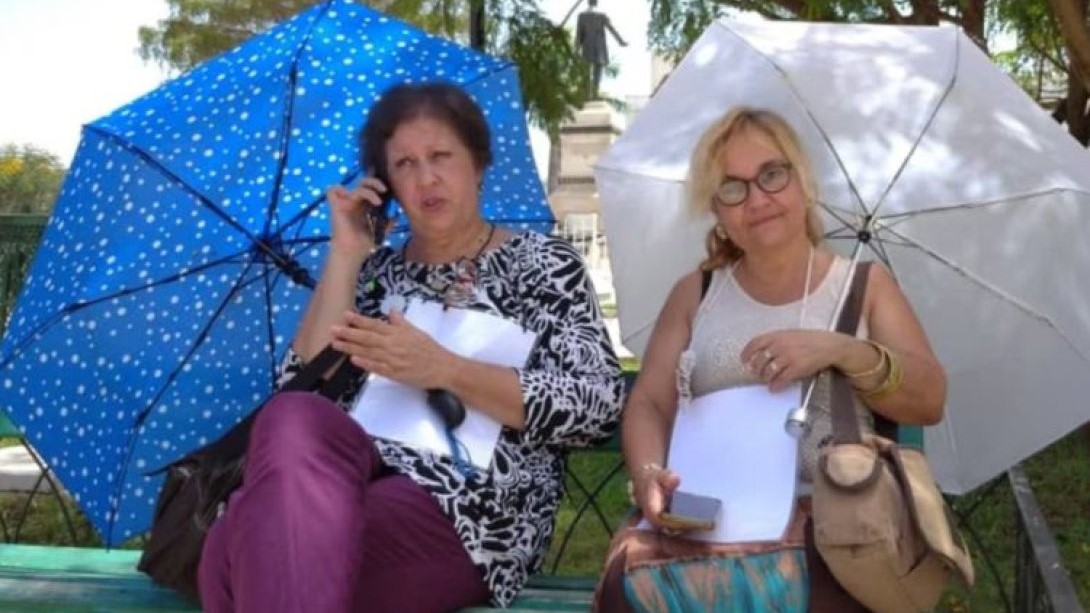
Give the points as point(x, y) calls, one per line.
point(757, 312)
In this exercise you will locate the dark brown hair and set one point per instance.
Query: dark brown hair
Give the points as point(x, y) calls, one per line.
point(440, 101)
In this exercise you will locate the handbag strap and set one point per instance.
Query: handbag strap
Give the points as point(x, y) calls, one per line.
point(312, 377)
point(845, 426)
point(232, 444)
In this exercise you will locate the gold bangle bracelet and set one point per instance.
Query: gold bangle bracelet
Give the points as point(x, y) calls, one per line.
point(883, 358)
point(889, 385)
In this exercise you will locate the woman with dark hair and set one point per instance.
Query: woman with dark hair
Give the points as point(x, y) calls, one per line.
point(331, 519)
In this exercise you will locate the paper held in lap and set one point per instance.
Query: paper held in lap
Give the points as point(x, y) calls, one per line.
point(392, 410)
point(732, 445)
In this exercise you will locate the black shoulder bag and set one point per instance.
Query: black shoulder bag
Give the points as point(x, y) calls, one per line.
point(197, 486)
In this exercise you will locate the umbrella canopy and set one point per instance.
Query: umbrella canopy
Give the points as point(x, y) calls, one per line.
point(176, 265)
point(967, 190)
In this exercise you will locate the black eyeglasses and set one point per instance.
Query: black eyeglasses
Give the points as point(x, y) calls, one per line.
point(772, 178)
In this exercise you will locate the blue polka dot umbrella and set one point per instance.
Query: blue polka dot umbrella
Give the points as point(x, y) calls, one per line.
point(187, 236)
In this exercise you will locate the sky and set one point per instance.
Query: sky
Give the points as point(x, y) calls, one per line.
point(68, 62)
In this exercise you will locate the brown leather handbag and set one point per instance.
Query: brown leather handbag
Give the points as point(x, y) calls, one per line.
point(197, 486)
point(880, 523)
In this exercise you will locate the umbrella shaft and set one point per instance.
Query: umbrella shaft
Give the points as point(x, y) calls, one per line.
point(857, 252)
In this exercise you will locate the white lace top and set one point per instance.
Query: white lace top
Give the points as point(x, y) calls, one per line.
point(729, 317)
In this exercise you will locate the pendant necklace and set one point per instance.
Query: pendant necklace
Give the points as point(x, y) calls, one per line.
point(461, 289)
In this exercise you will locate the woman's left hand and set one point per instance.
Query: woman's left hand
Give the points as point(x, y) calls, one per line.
point(778, 358)
point(395, 349)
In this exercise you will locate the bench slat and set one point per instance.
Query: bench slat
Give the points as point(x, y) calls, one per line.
point(51, 579)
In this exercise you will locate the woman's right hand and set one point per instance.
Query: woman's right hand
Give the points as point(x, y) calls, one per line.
point(351, 222)
point(652, 487)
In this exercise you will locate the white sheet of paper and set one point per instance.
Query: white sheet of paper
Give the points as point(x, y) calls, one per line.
point(732, 445)
point(392, 410)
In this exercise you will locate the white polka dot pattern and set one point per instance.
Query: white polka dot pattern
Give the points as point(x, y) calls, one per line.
point(150, 321)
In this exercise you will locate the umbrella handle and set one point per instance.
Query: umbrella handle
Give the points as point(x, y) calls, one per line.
point(797, 422)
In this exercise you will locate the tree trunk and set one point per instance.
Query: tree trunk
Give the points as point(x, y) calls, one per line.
point(925, 13)
point(1078, 124)
point(1071, 18)
point(972, 22)
point(476, 24)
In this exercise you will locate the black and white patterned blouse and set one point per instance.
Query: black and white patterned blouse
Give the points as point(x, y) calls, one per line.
point(571, 391)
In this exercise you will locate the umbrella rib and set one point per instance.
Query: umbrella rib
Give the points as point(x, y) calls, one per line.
point(813, 120)
point(138, 423)
point(79, 306)
point(151, 161)
point(878, 247)
point(967, 206)
point(270, 329)
point(838, 214)
point(930, 120)
point(999, 293)
point(305, 211)
point(259, 244)
point(289, 113)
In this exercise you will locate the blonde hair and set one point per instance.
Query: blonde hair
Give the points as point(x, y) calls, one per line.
point(705, 175)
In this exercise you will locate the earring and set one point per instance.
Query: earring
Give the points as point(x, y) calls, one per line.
point(720, 232)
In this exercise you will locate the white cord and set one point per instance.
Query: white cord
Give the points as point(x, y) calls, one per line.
point(806, 288)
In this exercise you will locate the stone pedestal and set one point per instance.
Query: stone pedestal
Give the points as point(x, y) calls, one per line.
point(582, 142)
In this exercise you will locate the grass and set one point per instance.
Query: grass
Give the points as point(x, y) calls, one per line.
point(1059, 476)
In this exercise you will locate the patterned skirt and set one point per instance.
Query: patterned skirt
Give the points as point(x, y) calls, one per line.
point(773, 582)
point(650, 572)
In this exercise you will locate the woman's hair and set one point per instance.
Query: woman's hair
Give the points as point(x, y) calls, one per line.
point(440, 101)
point(705, 174)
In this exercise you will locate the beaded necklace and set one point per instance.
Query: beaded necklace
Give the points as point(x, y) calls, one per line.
point(462, 288)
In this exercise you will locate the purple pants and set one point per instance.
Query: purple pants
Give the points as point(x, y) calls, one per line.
point(318, 527)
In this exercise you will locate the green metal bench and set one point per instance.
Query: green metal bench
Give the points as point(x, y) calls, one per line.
point(71, 579)
point(87, 579)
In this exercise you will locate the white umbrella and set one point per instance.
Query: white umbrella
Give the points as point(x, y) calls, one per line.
point(976, 199)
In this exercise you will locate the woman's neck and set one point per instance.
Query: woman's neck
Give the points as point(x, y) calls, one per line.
point(782, 270)
point(450, 247)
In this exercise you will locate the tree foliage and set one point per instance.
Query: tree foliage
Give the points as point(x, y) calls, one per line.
point(1041, 62)
point(552, 75)
point(29, 179)
point(676, 24)
point(1036, 60)
point(1050, 58)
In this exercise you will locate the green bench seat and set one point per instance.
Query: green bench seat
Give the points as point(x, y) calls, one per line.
point(74, 579)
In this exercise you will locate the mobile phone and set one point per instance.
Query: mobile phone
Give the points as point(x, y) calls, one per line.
point(685, 511)
point(379, 216)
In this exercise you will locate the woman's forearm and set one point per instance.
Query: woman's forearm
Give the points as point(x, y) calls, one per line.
point(922, 391)
point(921, 396)
point(335, 294)
point(645, 435)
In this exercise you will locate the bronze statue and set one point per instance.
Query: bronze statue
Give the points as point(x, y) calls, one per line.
point(590, 36)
